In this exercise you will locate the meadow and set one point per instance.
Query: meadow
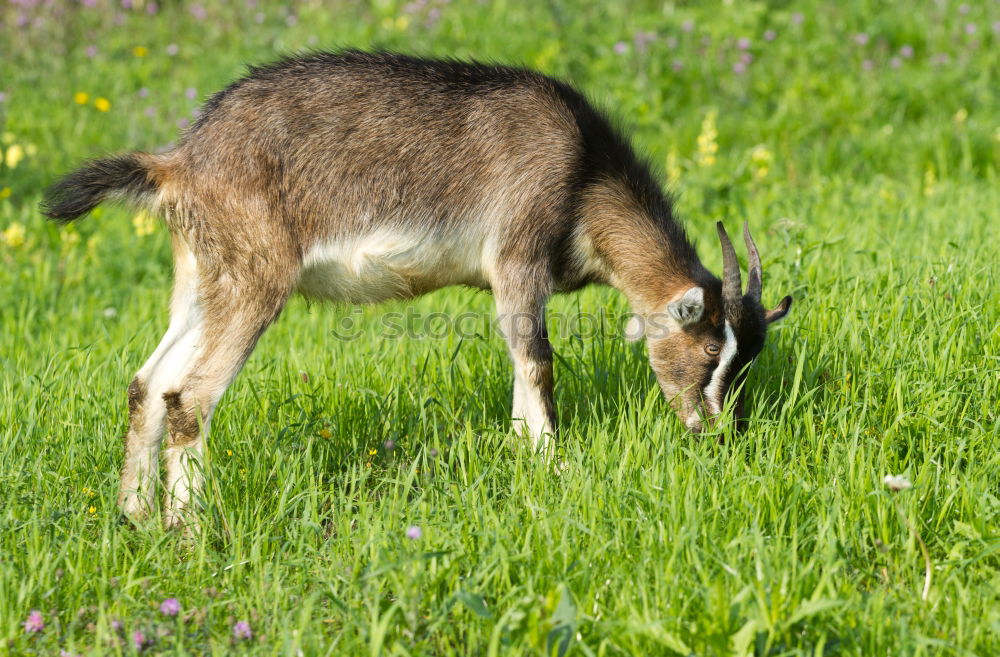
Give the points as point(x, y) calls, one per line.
point(365, 494)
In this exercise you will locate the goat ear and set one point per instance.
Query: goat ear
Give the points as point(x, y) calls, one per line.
point(689, 308)
point(779, 311)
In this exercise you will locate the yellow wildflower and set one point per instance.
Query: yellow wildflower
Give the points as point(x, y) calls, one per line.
point(402, 23)
point(707, 145)
point(930, 180)
point(372, 452)
point(69, 238)
point(5, 193)
point(15, 153)
point(92, 509)
point(14, 235)
point(960, 116)
point(549, 52)
point(81, 98)
point(144, 224)
point(229, 452)
point(89, 492)
point(325, 433)
point(102, 104)
point(140, 51)
point(760, 160)
point(673, 167)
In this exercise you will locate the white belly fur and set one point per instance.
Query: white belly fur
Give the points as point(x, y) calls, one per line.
point(388, 264)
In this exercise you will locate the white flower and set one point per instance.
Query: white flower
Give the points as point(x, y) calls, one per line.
point(897, 483)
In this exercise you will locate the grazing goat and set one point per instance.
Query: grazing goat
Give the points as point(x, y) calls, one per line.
point(360, 177)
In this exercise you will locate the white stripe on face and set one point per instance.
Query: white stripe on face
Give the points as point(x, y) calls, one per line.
point(713, 391)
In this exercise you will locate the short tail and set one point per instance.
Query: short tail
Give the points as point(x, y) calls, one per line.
point(121, 177)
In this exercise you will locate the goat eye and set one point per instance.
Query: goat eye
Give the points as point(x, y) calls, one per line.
point(712, 349)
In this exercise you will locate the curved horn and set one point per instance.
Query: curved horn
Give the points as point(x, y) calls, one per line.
point(755, 272)
point(731, 283)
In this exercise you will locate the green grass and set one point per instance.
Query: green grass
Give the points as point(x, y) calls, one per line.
point(878, 213)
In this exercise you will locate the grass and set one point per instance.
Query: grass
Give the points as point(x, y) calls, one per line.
point(870, 178)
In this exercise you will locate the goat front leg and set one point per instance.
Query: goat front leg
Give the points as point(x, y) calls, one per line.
point(521, 318)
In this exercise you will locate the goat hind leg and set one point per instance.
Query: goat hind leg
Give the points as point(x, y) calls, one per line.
point(147, 411)
point(233, 323)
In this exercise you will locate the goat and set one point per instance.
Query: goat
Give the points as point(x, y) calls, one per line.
point(359, 177)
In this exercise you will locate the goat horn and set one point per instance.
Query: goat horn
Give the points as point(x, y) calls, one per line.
point(755, 272)
point(731, 283)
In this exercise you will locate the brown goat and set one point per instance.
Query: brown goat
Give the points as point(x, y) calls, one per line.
point(363, 177)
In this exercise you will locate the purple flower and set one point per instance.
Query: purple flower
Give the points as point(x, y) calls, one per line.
point(970, 28)
point(739, 68)
point(743, 43)
point(170, 607)
point(688, 26)
point(89, 4)
point(116, 625)
point(746, 58)
point(963, 9)
point(91, 51)
point(152, 8)
point(895, 62)
point(191, 93)
point(242, 630)
point(621, 48)
point(198, 12)
point(413, 532)
point(867, 65)
point(139, 640)
point(150, 111)
point(940, 59)
point(292, 20)
point(35, 622)
point(798, 18)
point(126, 4)
point(182, 123)
point(643, 39)
point(906, 51)
point(770, 35)
point(172, 49)
point(143, 92)
point(861, 39)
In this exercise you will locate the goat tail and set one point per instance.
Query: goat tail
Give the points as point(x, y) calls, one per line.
point(125, 177)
